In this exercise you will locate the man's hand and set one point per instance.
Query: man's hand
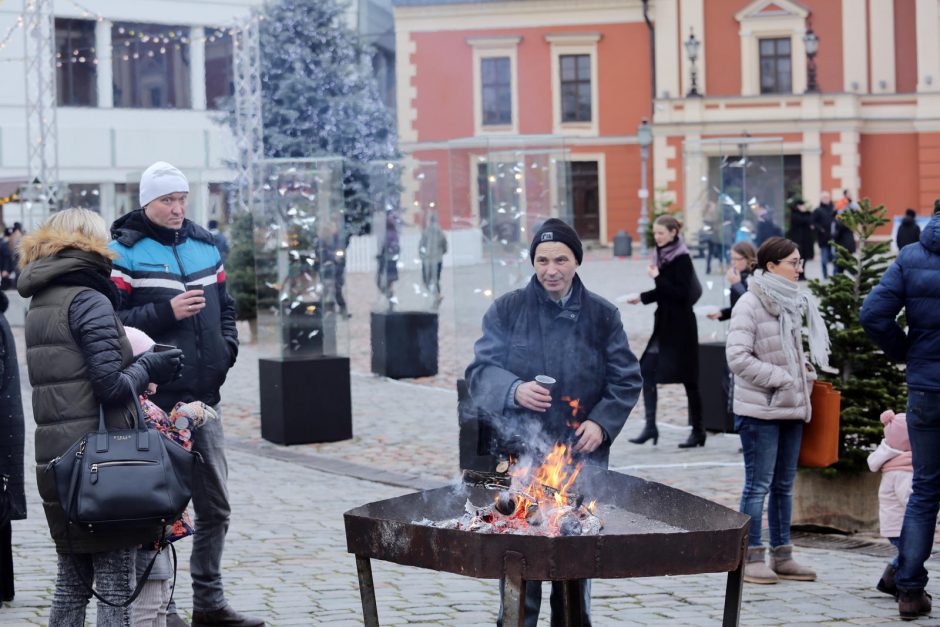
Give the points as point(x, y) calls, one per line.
point(533, 396)
point(591, 436)
point(188, 304)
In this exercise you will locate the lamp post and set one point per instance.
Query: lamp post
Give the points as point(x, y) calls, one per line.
point(644, 137)
point(691, 49)
point(811, 41)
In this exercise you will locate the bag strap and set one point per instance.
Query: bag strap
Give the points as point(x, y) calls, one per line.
point(143, 438)
point(140, 583)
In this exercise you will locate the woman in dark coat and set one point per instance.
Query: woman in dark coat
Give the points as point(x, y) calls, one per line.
point(743, 260)
point(672, 353)
point(11, 448)
point(79, 360)
point(801, 231)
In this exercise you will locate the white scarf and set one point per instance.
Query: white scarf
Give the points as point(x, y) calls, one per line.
point(784, 299)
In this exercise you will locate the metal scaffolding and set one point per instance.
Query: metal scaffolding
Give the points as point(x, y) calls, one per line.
point(249, 134)
point(42, 137)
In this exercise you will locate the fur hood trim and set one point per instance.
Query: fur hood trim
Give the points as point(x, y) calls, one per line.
point(44, 242)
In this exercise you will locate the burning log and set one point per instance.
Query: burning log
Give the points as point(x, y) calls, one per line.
point(533, 515)
point(569, 525)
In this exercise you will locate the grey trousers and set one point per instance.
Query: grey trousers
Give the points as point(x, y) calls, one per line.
point(212, 512)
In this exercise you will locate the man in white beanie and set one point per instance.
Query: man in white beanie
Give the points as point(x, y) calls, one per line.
point(171, 283)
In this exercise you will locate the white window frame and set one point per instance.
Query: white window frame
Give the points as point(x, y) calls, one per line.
point(756, 24)
point(487, 48)
point(574, 43)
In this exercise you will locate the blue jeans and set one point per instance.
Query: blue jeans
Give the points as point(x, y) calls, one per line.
point(771, 451)
point(533, 603)
point(826, 256)
point(114, 577)
point(920, 517)
point(896, 543)
point(212, 512)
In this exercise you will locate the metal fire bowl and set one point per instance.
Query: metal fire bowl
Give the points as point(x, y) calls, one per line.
point(686, 535)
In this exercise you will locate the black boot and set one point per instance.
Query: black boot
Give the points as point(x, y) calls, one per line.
point(912, 605)
point(696, 438)
point(886, 583)
point(649, 432)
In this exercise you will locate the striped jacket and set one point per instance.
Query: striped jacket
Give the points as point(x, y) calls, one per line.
point(154, 264)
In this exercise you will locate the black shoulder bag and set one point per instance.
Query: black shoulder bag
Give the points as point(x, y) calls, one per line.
point(123, 478)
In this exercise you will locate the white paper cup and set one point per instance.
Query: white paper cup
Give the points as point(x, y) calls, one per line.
point(545, 381)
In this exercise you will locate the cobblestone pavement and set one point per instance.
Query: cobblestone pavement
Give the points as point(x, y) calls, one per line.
point(286, 559)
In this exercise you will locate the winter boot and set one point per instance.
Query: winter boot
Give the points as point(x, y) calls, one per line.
point(782, 563)
point(755, 570)
point(912, 605)
point(886, 583)
point(650, 432)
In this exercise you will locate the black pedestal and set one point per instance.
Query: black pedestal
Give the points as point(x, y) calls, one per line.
point(713, 383)
point(305, 400)
point(475, 439)
point(404, 344)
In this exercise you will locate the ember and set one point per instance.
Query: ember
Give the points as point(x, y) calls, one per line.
point(538, 501)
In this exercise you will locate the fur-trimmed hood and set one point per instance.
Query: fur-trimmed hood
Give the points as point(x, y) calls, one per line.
point(46, 255)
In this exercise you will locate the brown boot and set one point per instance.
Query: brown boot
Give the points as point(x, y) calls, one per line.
point(782, 563)
point(912, 605)
point(755, 570)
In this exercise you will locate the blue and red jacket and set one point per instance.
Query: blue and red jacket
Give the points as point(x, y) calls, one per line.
point(154, 264)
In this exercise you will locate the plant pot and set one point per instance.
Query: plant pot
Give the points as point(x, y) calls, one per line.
point(845, 502)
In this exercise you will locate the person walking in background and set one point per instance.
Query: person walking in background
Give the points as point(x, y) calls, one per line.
point(221, 242)
point(773, 382)
point(842, 235)
point(671, 356)
point(431, 249)
point(79, 359)
point(12, 432)
point(823, 217)
point(171, 286)
point(910, 283)
point(893, 459)
point(766, 227)
point(908, 230)
point(386, 272)
point(743, 260)
point(801, 231)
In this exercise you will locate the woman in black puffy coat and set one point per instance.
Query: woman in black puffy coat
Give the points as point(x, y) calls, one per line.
point(79, 359)
point(11, 451)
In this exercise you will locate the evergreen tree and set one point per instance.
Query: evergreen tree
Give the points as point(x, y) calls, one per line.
point(240, 267)
point(869, 382)
point(320, 96)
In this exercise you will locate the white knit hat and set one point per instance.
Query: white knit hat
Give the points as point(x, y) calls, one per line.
point(161, 179)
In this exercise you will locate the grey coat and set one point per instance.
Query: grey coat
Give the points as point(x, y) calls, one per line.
point(582, 345)
point(765, 386)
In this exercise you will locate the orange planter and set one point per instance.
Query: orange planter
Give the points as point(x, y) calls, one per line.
point(820, 446)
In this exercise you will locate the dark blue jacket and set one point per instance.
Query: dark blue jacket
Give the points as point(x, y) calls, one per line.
point(912, 282)
point(154, 264)
point(582, 345)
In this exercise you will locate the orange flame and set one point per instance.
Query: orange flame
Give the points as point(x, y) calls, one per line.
point(547, 487)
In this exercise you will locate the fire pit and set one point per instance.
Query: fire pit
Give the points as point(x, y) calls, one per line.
point(649, 530)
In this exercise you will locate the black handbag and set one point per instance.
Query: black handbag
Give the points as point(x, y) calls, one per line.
point(124, 478)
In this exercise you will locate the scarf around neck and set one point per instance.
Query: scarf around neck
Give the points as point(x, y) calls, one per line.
point(664, 254)
point(784, 298)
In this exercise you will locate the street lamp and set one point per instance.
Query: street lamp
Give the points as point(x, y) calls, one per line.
point(811, 41)
point(644, 137)
point(691, 48)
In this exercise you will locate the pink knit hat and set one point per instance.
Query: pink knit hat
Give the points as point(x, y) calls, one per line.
point(140, 341)
point(896, 430)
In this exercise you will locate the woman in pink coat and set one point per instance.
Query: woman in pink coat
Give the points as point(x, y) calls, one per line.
point(893, 459)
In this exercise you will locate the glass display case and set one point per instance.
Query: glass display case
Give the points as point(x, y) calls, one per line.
point(300, 258)
point(501, 191)
point(736, 194)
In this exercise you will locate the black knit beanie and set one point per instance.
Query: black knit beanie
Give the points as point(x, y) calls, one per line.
point(554, 230)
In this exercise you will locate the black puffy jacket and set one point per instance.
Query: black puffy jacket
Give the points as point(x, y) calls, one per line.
point(154, 264)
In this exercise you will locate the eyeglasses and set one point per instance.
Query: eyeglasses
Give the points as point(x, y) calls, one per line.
point(796, 263)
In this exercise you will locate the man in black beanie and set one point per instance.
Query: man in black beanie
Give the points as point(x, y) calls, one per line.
point(555, 327)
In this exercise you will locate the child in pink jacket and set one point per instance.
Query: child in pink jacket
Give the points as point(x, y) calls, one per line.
point(893, 459)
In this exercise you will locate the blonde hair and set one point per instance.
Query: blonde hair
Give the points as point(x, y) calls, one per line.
point(82, 229)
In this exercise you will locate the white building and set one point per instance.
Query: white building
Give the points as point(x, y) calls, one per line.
point(138, 82)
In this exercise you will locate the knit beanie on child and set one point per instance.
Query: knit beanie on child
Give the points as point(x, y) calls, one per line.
point(161, 179)
point(896, 430)
point(140, 341)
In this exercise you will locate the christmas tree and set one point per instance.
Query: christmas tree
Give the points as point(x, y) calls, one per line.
point(320, 96)
point(240, 266)
point(869, 382)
